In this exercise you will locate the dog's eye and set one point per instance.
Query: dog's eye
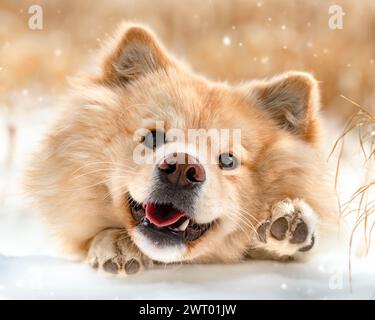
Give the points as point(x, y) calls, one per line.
point(154, 139)
point(227, 161)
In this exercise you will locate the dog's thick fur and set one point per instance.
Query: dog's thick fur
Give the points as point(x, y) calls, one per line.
point(84, 169)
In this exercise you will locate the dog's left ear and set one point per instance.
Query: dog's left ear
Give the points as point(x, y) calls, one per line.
point(133, 52)
point(292, 99)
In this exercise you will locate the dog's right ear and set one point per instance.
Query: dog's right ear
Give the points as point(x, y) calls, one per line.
point(291, 100)
point(132, 53)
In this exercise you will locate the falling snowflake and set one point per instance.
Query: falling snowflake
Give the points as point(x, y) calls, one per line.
point(371, 61)
point(285, 47)
point(284, 286)
point(259, 4)
point(309, 44)
point(227, 41)
point(349, 65)
point(269, 19)
point(58, 52)
point(283, 27)
point(264, 60)
point(240, 44)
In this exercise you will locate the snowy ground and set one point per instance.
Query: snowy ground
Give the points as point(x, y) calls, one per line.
point(31, 268)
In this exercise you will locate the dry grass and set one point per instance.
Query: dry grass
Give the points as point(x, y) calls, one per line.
point(361, 204)
point(361, 123)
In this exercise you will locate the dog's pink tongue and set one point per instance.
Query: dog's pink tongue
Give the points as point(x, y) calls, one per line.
point(162, 215)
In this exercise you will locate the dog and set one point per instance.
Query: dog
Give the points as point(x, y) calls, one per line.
point(267, 196)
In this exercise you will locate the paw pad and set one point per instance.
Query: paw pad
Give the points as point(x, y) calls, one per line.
point(308, 247)
point(132, 266)
point(299, 234)
point(293, 223)
point(262, 231)
point(279, 228)
point(117, 265)
point(110, 266)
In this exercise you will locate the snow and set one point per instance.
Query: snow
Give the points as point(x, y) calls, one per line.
point(227, 41)
point(45, 277)
point(30, 266)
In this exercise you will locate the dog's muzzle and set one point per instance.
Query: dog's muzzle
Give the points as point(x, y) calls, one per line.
point(167, 215)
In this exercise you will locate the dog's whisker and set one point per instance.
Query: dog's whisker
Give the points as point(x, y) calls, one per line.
point(242, 214)
point(91, 164)
point(101, 182)
point(109, 170)
point(92, 173)
point(238, 214)
point(238, 225)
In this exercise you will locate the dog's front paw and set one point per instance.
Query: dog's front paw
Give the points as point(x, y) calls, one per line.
point(112, 251)
point(289, 230)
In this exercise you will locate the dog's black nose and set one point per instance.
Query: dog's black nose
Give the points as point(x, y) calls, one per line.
point(182, 170)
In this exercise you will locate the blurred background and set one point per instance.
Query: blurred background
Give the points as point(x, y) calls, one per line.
point(229, 40)
point(226, 40)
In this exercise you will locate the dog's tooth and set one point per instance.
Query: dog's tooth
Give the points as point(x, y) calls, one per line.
point(184, 225)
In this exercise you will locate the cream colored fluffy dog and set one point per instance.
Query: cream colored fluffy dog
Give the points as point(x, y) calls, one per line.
point(266, 196)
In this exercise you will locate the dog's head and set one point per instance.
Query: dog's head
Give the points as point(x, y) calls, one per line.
point(149, 117)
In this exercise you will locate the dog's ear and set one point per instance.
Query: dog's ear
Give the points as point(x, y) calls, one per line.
point(292, 99)
point(132, 53)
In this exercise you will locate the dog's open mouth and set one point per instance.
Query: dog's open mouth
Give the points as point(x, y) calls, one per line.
point(164, 223)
